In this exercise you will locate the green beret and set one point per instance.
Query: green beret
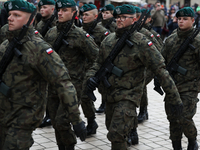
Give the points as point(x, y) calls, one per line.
point(144, 9)
point(124, 9)
point(198, 9)
point(46, 2)
point(108, 7)
point(138, 10)
point(185, 12)
point(19, 5)
point(65, 3)
point(87, 7)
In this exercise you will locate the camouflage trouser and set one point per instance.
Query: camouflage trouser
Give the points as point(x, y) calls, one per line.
point(144, 99)
point(15, 139)
point(63, 132)
point(185, 123)
point(87, 107)
point(121, 117)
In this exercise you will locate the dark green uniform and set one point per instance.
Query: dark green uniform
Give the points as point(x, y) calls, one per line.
point(188, 85)
point(109, 24)
point(23, 110)
point(125, 92)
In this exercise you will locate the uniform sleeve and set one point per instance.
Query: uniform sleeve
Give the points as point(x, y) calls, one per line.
point(154, 61)
point(52, 69)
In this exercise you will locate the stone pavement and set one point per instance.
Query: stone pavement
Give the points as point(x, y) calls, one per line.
point(153, 133)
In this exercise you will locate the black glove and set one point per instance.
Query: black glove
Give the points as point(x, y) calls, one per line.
point(92, 83)
point(177, 110)
point(80, 130)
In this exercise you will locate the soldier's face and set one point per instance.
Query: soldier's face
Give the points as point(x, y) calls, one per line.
point(185, 23)
point(17, 19)
point(46, 10)
point(125, 20)
point(106, 15)
point(65, 14)
point(89, 16)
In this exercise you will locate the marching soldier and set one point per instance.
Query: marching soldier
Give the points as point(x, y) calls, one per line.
point(24, 78)
point(187, 83)
point(124, 94)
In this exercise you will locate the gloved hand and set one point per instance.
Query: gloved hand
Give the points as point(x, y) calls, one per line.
point(177, 110)
point(92, 83)
point(80, 130)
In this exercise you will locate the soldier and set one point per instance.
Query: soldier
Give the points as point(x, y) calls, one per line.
point(46, 8)
point(3, 31)
point(90, 12)
point(108, 20)
point(24, 81)
point(149, 24)
point(81, 48)
point(188, 84)
point(124, 94)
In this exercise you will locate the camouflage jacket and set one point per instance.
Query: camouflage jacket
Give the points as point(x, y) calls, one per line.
point(28, 77)
point(133, 62)
point(99, 32)
point(157, 36)
point(81, 50)
point(190, 60)
point(3, 31)
point(42, 23)
point(109, 24)
point(151, 37)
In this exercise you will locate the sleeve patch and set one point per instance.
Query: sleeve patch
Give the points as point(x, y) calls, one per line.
point(49, 51)
point(158, 35)
point(36, 32)
point(152, 35)
point(106, 33)
point(150, 43)
point(87, 35)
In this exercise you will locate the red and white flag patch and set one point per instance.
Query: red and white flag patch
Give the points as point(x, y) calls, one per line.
point(158, 35)
point(87, 35)
point(36, 32)
point(49, 51)
point(106, 33)
point(152, 35)
point(150, 43)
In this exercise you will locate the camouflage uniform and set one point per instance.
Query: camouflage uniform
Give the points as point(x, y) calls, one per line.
point(74, 56)
point(125, 92)
point(3, 31)
point(188, 85)
point(111, 26)
point(42, 23)
point(23, 110)
point(99, 32)
point(157, 36)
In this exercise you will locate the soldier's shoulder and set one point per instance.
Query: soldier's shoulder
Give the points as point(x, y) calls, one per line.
point(172, 37)
point(140, 39)
point(100, 28)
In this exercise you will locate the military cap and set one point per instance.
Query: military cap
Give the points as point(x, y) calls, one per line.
point(185, 12)
point(65, 3)
point(87, 7)
point(46, 2)
point(108, 7)
point(198, 9)
point(124, 9)
point(19, 5)
point(144, 9)
point(137, 9)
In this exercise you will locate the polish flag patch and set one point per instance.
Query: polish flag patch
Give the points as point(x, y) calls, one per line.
point(106, 33)
point(49, 51)
point(36, 32)
point(150, 43)
point(87, 35)
point(152, 35)
point(158, 35)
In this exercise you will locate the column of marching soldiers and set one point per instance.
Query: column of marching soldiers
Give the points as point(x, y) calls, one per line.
point(75, 51)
